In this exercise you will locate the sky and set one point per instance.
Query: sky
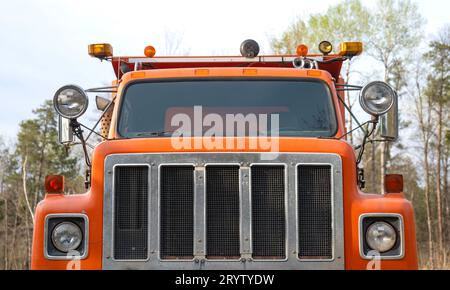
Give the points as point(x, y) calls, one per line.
point(43, 43)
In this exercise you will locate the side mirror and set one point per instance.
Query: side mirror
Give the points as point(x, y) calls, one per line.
point(389, 122)
point(65, 132)
point(102, 103)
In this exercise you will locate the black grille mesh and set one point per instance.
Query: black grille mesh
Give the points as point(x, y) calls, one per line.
point(222, 204)
point(177, 212)
point(268, 212)
point(131, 213)
point(314, 211)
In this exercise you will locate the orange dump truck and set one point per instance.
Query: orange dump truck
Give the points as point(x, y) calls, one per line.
point(233, 162)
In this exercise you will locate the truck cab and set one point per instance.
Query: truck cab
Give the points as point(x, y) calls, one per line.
point(230, 162)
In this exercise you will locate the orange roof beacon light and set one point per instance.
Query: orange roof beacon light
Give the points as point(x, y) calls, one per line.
point(325, 47)
point(54, 184)
point(149, 51)
point(350, 49)
point(302, 50)
point(100, 50)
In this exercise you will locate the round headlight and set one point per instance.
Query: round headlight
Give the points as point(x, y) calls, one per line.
point(67, 237)
point(376, 98)
point(70, 101)
point(381, 236)
point(325, 47)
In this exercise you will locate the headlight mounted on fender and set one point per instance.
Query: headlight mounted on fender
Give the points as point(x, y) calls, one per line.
point(66, 237)
point(381, 236)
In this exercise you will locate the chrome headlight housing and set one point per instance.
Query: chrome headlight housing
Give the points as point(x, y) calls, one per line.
point(70, 101)
point(66, 237)
point(381, 236)
point(377, 98)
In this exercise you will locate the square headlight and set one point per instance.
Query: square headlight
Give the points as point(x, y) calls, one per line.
point(381, 234)
point(66, 236)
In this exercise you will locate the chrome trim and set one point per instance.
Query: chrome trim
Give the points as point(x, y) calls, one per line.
point(401, 230)
point(218, 59)
point(199, 242)
point(85, 236)
point(228, 158)
point(113, 208)
point(245, 219)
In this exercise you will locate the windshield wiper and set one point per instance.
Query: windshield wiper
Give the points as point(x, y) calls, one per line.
point(154, 134)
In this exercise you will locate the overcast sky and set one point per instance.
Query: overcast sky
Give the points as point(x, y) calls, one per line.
point(43, 43)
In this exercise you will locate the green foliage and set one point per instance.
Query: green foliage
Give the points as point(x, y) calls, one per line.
point(296, 34)
point(396, 30)
point(438, 86)
point(346, 21)
point(37, 141)
point(391, 32)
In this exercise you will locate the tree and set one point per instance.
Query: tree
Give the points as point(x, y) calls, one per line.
point(173, 41)
point(297, 33)
point(438, 92)
point(395, 31)
point(37, 143)
point(22, 172)
point(345, 21)
point(423, 107)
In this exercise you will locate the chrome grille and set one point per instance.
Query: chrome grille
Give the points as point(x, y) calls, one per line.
point(177, 212)
point(222, 212)
point(268, 212)
point(314, 211)
point(131, 213)
point(218, 210)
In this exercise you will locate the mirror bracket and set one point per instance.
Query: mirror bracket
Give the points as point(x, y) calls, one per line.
point(65, 131)
point(389, 123)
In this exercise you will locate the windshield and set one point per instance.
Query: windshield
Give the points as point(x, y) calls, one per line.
point(298, 107)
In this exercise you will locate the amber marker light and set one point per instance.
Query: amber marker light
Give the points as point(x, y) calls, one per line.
point(100, 50)
point(314, 73)
point(350, 48)
point(302, 50)
point(201, 72)
point(249, 72)
point(149, 51)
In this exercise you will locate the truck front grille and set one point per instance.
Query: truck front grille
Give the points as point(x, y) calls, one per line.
point(205, 211)
point(177, 212)
point(222, 212)
point(268, 212)
point(314, 211)
point(131, 213)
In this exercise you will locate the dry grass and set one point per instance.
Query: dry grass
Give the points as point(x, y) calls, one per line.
point(438, 266)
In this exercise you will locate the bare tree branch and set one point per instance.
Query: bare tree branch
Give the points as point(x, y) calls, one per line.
point(24, 183)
